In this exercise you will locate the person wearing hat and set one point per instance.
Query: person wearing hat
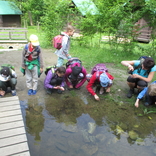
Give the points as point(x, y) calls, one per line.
point(8, 78)
point(32, 64)
point(75, 76)
point(99, 78)
point(149, 93)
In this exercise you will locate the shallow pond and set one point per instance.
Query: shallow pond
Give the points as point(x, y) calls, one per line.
point(73, 124)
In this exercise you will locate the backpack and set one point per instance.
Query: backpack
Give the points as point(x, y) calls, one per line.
point(57, 41)
point(99, 67)
point(74, 62)
point(26, 48)
point(52, 68)
point(9, 66)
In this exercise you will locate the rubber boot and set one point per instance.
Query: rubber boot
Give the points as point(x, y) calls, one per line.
point(130, 93)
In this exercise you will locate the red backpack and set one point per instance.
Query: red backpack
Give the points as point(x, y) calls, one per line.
point(57, 41)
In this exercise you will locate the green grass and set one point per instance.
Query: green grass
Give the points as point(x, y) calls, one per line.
point(91, 52)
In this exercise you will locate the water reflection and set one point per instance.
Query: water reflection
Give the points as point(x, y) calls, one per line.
point(34, 119)
point(66, 126)
point(65, 110)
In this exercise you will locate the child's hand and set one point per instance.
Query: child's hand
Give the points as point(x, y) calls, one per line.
point(137, 103)
point(61, 88)
point(69, 57)
point(55, 87)
point(70, 86)
point(96, 97)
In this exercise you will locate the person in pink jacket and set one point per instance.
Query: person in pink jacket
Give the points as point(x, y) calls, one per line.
point(75, 76)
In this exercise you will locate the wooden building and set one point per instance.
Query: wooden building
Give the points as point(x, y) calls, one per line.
point(10, 14)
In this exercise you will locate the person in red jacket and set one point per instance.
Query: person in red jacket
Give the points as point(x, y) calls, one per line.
point(104, 79)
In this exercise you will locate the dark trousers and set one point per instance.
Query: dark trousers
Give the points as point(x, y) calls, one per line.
point(11, 83)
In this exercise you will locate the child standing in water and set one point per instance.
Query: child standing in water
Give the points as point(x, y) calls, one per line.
point(63, 53)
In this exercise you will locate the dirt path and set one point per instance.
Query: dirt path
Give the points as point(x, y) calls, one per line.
point(14, 58)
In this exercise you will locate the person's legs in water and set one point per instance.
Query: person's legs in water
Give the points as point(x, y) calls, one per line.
point(131, 83)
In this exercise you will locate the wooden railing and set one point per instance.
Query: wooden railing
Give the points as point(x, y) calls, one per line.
point(13, 34)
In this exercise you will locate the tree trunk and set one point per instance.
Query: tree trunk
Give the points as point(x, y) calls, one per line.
point(30, 18)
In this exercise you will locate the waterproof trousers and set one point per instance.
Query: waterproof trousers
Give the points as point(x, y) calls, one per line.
point(11, 83)
point(32, 78)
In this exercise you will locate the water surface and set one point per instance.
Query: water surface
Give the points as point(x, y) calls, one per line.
point(76, 125)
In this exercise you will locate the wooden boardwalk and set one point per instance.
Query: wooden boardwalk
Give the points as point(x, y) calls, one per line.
point(13, 140)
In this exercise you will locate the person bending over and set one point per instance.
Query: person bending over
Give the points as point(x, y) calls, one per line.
point(149, 93)
point(55, 80)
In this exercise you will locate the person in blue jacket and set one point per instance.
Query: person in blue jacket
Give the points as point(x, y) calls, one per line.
point(149, 93)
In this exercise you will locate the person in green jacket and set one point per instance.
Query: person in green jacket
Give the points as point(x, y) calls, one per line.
point(32, 63)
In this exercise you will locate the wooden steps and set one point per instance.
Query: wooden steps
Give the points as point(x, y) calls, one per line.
point(13, 140)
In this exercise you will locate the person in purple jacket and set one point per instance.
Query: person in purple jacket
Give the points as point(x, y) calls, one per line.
point(149, 93)
point(75, 76)
point(55, 80)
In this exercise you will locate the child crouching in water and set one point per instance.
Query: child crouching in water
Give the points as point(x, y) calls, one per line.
point(55, 80)
point(150, 95)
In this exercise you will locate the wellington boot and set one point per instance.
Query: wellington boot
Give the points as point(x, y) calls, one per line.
point(130, 93)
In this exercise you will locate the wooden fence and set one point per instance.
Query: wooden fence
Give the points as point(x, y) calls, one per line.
point(13, 35)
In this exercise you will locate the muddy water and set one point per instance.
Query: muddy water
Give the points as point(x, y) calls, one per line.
point(73, 124)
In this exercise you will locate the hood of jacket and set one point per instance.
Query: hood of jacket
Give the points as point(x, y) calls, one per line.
point(64, 33)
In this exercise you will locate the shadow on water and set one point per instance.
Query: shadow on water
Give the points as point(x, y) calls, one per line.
point(75, 125)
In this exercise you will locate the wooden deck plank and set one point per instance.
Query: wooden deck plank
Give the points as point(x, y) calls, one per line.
point(13, 140)
point(11, 119)
point(9, 98)
point(17, 148)
point(11, 125)
point(23, 154)
point(9, 108)
point(10, 113)
point(8, 103)
point(12, 132)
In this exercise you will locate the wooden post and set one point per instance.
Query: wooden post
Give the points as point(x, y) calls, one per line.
point(9, 35)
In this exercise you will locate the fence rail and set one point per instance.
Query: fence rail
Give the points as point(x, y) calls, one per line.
point(11, 34)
